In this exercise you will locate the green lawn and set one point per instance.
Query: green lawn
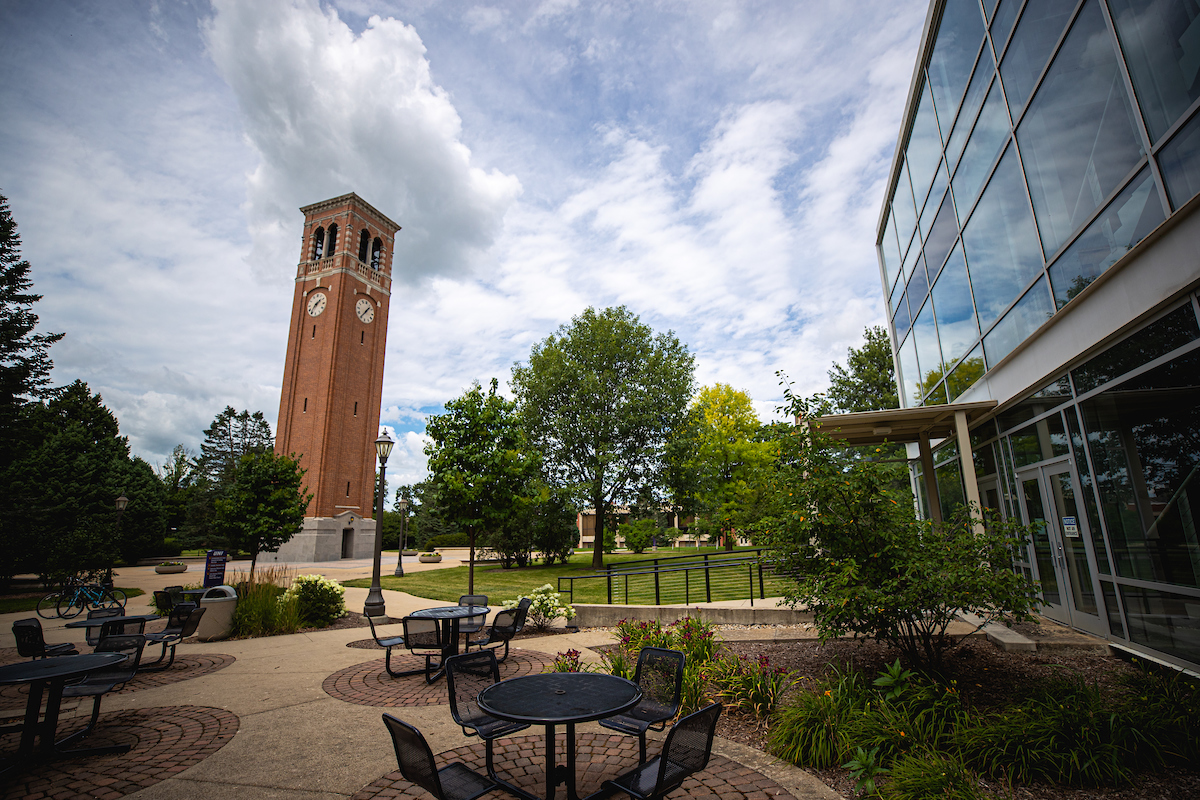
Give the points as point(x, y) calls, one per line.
point(501, 584)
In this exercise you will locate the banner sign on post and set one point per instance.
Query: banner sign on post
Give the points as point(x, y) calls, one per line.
point(214, 568)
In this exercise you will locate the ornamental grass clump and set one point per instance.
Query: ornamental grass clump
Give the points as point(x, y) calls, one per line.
point(750, 686)
point(927, 774)
point(319, 600)
point(263, 607)
point(807, 730)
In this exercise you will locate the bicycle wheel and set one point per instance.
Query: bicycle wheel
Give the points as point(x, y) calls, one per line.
point(70, 604)
point(113, 598)
point(47, 607)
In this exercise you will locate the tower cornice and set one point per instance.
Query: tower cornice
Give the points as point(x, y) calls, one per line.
point(352, 197)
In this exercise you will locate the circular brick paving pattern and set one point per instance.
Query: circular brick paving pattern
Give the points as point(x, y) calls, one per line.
point(184, 668)
point(368, 684)
point(598, 757)
point(166, 741)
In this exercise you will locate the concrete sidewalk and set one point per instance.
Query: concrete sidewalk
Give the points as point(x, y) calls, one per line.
point(295, 740)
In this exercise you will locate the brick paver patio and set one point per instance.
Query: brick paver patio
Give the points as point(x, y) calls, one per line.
point(598, 757)
point(166, 741)
point(368, 684)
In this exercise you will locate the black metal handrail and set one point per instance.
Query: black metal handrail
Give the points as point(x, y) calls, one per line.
point(719, 572)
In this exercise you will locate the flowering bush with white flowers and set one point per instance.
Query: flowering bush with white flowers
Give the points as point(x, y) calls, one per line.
point(319, 600)
point(546, 607)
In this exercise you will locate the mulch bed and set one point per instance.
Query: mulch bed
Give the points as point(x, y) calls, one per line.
point(987, 678)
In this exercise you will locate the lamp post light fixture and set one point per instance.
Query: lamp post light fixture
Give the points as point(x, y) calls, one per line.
point(402, 507)
point(374, 607)
point(121, 503)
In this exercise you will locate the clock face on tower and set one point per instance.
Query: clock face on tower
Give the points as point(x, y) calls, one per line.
point(365, 311)
point(316, 304)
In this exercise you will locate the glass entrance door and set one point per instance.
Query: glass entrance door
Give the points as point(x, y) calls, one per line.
point(1060, 543)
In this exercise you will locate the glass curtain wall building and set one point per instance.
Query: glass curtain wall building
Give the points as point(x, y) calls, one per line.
point(1039, 247)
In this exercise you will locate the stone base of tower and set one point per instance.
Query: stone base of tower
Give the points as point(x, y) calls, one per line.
point(347, 535)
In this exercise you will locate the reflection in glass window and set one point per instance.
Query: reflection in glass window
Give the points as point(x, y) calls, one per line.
point(1142, 438)
point(1161, 41)
point(909, 372)
point(942, 237)
point(1038, 31)
point(949, 480)
point(914, 258)
point(918, 284)
point(989, 136)
point(969, 370)
point(900, 318)
point(1029, 314)
point(924, 148)
point(1078, 140)
point(929, 356)
point(1044, 439)
point(1155, 340)
point(1003, 21)
point(1001, 243)
point(970, 107)
point(1162, 620)
point(1089, 494)
point(904, 210)
point(1127, 220)
point(957, 328)
point(959, 36)
point(989, 6)
point(933, 204)
point(1180, 162)
point(891, 252)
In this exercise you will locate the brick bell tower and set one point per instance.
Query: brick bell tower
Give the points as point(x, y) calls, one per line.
point(333, 374)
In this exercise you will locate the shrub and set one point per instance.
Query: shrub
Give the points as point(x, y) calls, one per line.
point(448, 540)
point(638, 535)
point(749, 686)
point(925, 774)
point(632, 635)
point(807, 730)
point(1164, 714)
point(546, 607)
point(319, 601)
point(696, 638)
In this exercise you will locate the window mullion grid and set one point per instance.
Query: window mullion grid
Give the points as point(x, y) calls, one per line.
point(1073, 408)
point(1011, 31)
point(1050, 61)
point(1142, 131)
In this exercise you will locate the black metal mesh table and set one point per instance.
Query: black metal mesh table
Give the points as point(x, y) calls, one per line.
point(560, 698)
point(449, 617)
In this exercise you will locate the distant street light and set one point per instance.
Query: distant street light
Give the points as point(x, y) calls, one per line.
point(374, 607)
point(402, 507)
point(122, 502)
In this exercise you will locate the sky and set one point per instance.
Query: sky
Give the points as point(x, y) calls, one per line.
point(716, 167)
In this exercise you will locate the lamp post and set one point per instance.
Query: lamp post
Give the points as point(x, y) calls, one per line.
point(122, 502)
point(374, 607)
point(402, 507)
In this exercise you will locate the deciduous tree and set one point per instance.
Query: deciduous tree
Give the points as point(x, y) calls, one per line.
point(599, 400)
point(264, 505)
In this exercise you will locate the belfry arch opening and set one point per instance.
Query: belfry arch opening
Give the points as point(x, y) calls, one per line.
point(318, 243)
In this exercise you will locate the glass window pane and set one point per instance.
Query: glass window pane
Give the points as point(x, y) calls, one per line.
point(943, 235)
point(936, 396)
point(1180, 162)
point(1162, 620)
point(959, 36)
point(909, 372)
point(1155, 340)
point(957, 327)
point(903, 210)
point(1112, 609)
point(918, 285)
point(1089, 493)
point(1044, 439)
point(969, 370)
point(1003, 21)
point(1019, 323)
point(1161, 41)
point(900, 318)
point(1001, 243)
point(891, 252)
point(929, 356)
point(970, 107)
point(1038, 31)
point(989, 6)
point(933, 204)
point(1078, 140)
point(1127, 220)
point(924, 148)
point(989, 136)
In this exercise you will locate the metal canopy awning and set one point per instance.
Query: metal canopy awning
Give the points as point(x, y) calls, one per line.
point(918, 425)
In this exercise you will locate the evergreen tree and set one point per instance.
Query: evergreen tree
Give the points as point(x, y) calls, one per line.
point(232, 435)
point(868, 381)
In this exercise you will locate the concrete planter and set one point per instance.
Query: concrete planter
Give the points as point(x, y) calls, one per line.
point(429, 559)
point(170, 569)
point(410, 552)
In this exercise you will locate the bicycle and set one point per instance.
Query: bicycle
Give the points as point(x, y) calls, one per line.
point(71, 601)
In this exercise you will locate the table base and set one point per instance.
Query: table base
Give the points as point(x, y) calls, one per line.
point(555, 773)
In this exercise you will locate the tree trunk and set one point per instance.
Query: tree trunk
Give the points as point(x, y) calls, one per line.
point(598, 542)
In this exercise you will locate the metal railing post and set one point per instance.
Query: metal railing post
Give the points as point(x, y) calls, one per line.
point(761, 593)
point(657, 601)
point(609, 582)
point(707, 581)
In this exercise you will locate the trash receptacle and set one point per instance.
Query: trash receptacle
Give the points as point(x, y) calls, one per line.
point(219, 603)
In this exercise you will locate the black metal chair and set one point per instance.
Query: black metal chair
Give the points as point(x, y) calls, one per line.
point(468, 674)
point(175, 593)
point(387, 643)
point(163, 602)
point(454, 781)
point(126, 627)
point(504, 628)
point(182, 623)
point(425, 636)
point(100, 682)
point(523, 612)
point(659, 675)
point(472, 625)
point(92, 635)
point(685, 752)
point(31, 643)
